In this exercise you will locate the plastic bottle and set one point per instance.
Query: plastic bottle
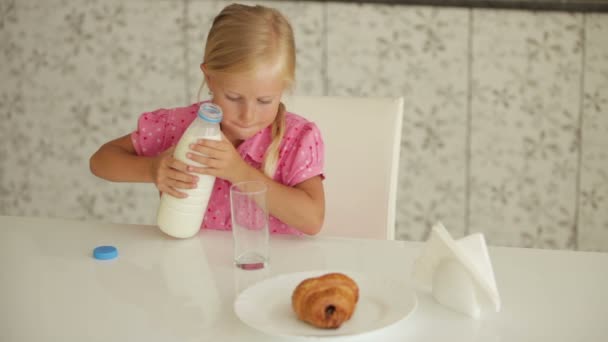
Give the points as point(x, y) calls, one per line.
point(182, 217)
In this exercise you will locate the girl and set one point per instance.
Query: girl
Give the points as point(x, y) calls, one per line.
point(249, 62)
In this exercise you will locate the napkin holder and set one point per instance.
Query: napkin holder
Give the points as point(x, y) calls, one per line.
point(458, 273)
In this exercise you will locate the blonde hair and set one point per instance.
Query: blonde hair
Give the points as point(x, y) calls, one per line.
point(243, 38)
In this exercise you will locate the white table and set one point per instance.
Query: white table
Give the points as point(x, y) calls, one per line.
point(161, 289)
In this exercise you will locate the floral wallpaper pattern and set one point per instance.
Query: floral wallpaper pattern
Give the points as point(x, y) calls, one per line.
point(505, 121)
point(592, 228)
point(524, 127)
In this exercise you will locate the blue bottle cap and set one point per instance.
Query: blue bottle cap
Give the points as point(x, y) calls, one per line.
point(105, 252)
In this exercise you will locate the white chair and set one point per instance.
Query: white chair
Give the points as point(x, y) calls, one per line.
point(362, 143)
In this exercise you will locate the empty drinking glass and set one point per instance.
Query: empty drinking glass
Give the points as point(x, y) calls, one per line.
point(249, 224)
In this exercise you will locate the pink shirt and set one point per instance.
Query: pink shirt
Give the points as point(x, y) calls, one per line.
point(301, 156)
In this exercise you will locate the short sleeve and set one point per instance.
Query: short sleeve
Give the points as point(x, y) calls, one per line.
point(302, 154)
point(149, 137)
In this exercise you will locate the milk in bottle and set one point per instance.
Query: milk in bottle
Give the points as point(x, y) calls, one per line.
point(182, 217)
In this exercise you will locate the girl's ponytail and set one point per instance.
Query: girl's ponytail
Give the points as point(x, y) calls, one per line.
point(271, 157)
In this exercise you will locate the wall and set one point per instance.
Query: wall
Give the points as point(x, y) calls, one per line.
point(505, 127)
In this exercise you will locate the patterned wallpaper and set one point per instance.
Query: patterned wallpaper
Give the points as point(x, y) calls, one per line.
point(505, 123)
point(524, 127)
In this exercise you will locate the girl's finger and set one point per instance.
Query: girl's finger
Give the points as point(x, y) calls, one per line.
point(205, 160)
point(182, 176)
point(178, 165)
point(199, 170)
point(172, 192)
point(180, 185)
point(212, 144)
point(201, 149)
point(206, 171)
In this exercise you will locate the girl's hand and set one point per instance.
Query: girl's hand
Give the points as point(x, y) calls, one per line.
point(220, 158)
point(170, 174)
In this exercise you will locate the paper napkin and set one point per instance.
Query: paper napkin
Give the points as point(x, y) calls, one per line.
point(458, 273)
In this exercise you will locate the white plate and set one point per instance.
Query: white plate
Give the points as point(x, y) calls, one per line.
point(266, 306)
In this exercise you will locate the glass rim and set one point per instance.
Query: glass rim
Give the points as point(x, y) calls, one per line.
point(234, 187)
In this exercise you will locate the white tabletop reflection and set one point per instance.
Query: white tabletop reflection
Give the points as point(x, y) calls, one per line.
point(164, 289)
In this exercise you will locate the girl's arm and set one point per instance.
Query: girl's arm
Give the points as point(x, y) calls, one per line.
point(117, 161)
point(301, 206)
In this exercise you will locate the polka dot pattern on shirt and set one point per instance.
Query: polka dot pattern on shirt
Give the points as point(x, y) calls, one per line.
point(301, 156)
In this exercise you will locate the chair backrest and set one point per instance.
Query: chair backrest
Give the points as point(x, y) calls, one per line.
point(362, 142)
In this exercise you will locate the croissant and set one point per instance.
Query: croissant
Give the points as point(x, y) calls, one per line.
point(326, 301)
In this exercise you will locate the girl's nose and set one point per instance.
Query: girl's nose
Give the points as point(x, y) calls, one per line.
point(248, 112)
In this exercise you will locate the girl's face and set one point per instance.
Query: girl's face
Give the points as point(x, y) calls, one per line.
point(249, 101)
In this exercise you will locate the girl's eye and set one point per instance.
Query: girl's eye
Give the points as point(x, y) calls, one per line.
point(264, 101)
point(232, 98)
